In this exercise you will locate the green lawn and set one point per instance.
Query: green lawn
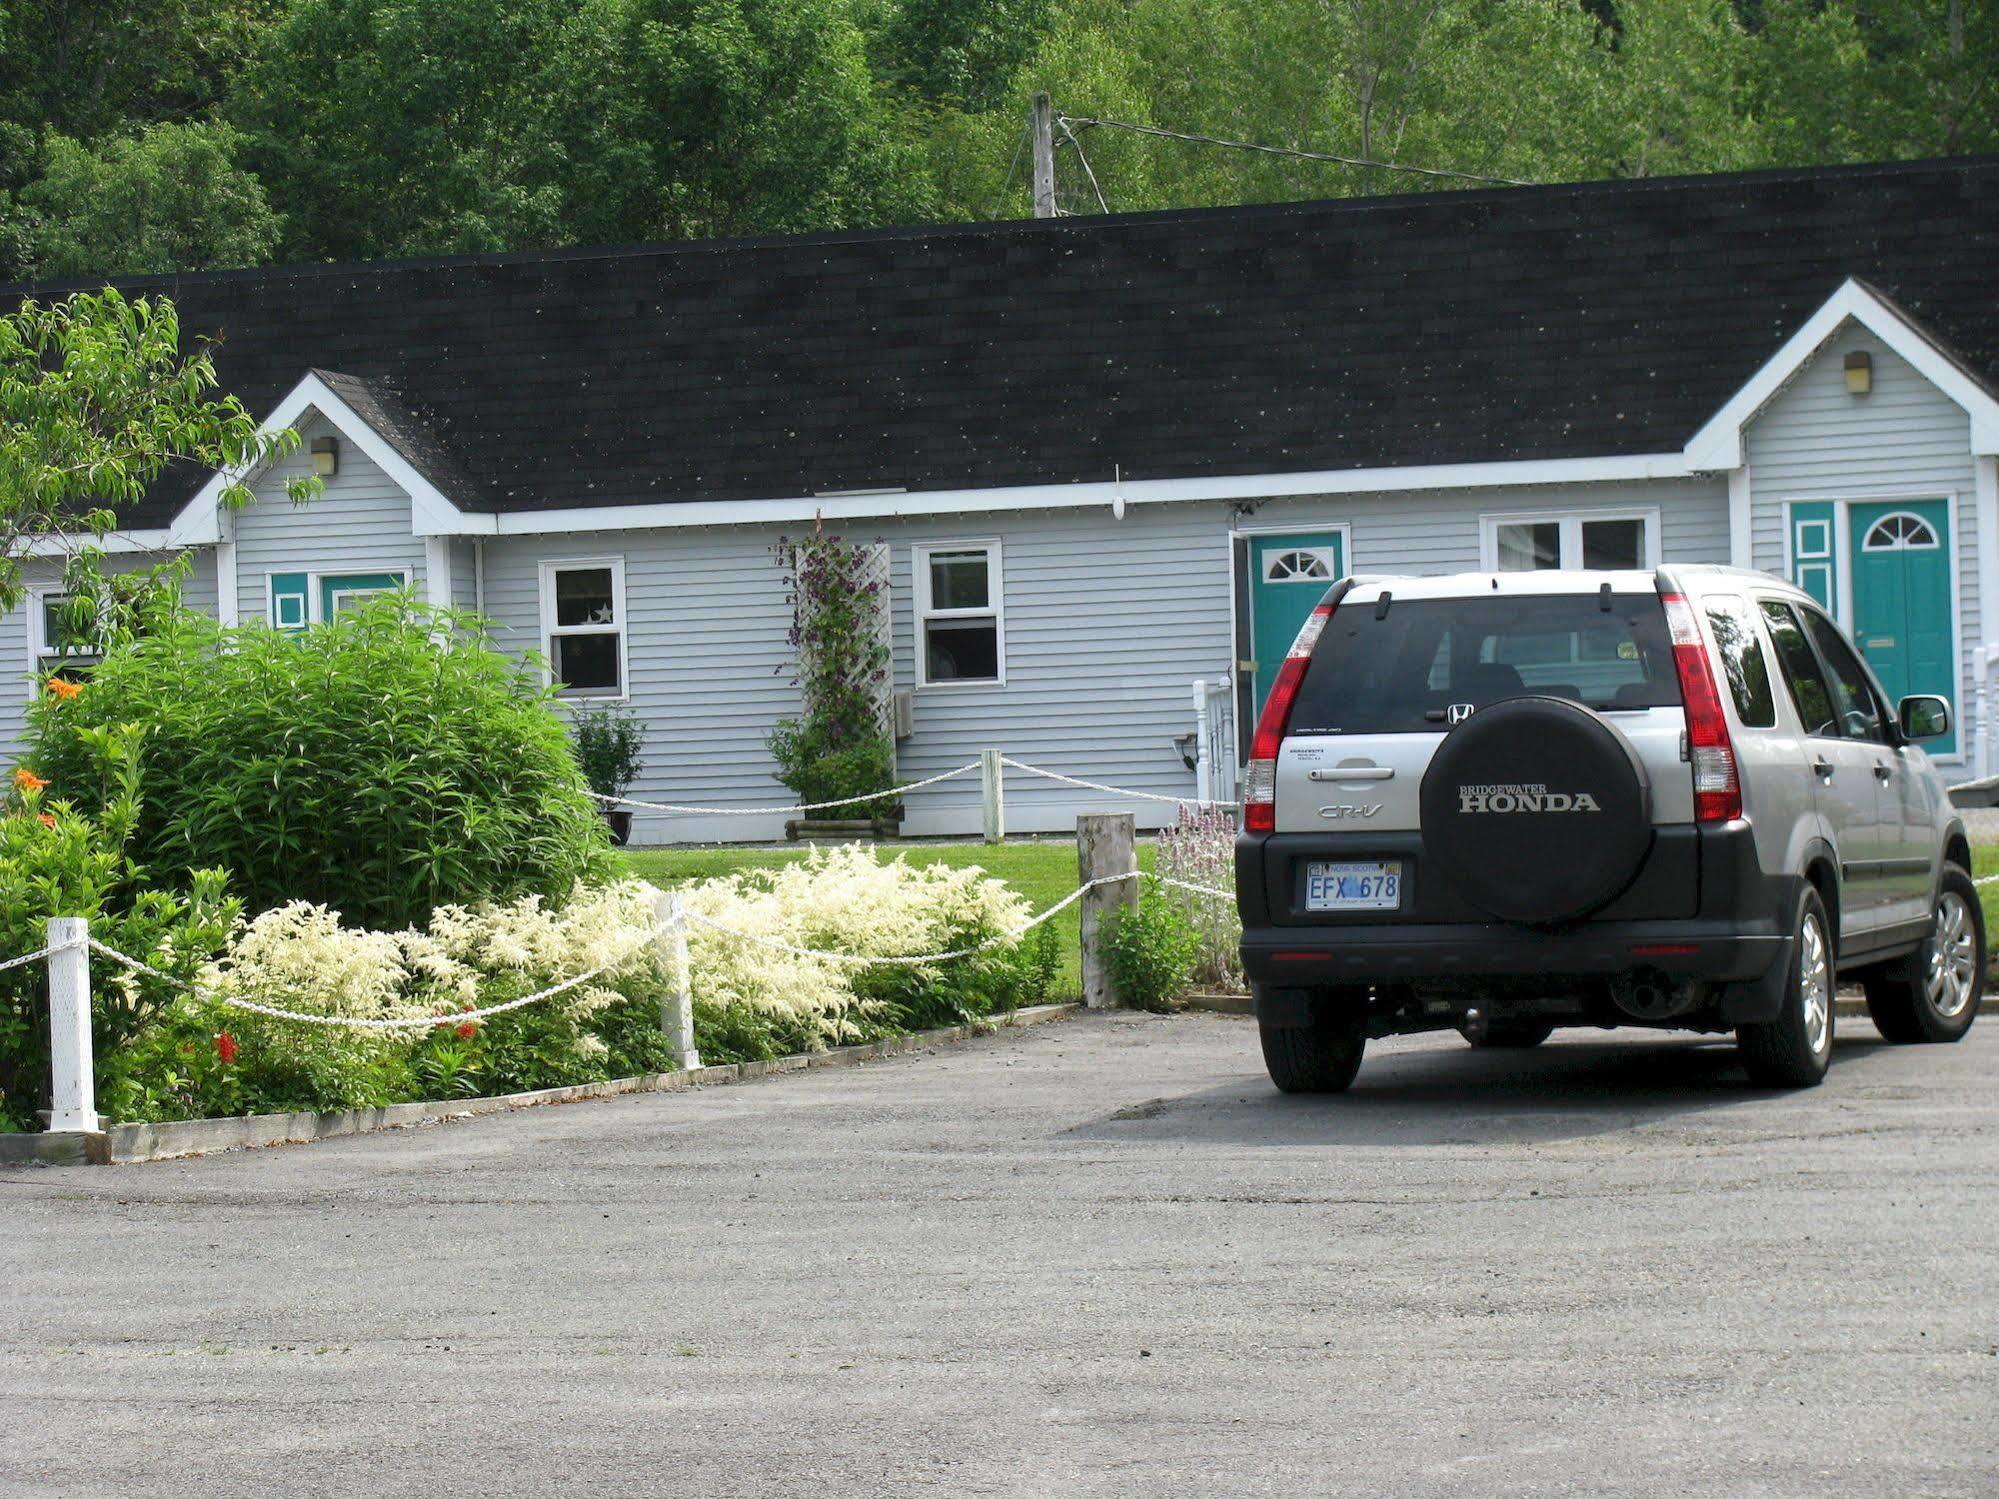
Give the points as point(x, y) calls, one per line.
point(1041, 871)
point(1984, 861)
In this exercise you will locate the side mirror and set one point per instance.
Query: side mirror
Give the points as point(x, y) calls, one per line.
point(1924, 716)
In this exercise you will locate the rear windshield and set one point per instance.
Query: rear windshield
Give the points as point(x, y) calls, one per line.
point(1402, 670)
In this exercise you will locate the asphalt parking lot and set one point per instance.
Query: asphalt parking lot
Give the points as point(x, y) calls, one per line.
point(1099, 1258)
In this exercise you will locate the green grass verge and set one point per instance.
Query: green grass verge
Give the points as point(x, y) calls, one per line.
point(1984, 861)
point(1039, 871)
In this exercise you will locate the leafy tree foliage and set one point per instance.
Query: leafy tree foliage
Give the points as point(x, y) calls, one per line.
point(97, 398)
point(171, 197)
point(387, 127)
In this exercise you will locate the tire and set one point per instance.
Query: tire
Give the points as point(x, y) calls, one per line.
point(1933, 994)
point(1514, 1035)
point(1322, 1057)
point(1794, 1050)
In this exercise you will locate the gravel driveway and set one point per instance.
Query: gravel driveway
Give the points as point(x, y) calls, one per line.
point(1100, 1257)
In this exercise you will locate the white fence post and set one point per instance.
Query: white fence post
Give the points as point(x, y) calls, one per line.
point(73, 1091)
point(990, 771)
point(676, 1015)
point(1204, 769)
point(1106, 846)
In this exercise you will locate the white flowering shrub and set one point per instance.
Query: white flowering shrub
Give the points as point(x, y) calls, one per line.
point(1200, 849)
point(205, 1056)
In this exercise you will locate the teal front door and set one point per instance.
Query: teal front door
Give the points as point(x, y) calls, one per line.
point(1287, 576)
point(1901, 599)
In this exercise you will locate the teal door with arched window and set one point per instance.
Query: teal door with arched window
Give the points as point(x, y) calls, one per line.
point(1901, 565)
point(1288, 575)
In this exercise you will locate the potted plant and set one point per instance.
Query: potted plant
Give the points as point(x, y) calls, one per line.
point(607, 748)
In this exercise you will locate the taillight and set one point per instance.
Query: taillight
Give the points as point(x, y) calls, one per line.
point(1717, 786)
point(1259, 796)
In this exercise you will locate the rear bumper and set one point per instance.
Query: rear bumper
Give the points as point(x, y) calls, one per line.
point(1296, 957)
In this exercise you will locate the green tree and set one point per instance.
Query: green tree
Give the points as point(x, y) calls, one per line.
point(402, 127)
point(170, 199)
point(96, 400)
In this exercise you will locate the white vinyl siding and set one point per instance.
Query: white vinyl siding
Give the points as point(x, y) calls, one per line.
point(361, 524)
point(1108, 623)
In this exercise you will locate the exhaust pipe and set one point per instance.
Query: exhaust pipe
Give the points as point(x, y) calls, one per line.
point(1652, 995)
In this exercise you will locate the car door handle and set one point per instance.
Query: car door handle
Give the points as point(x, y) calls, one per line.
point(1884, 772)
point(1822, 768)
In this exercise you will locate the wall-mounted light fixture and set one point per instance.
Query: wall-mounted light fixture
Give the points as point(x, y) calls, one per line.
point(1859, 372)
point(325, 457)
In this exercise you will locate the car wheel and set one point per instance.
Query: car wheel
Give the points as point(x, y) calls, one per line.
point(1514, 1035)
point(1794, 1050)
point(1933, 994)
point(1321, 1057)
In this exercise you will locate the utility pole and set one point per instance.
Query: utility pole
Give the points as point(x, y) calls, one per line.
point(1044, 157)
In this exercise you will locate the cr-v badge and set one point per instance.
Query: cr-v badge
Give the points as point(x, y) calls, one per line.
point(1350, 809)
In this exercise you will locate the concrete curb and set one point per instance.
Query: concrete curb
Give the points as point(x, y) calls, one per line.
point(124, 1144)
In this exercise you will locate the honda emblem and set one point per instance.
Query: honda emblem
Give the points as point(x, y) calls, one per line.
point(1457, 713)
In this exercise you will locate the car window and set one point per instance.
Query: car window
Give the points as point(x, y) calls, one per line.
point(1853, 698)
point(1800, 666)
point(1408, 666)
point(1742, 660)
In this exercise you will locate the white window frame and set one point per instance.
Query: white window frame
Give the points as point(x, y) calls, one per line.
point(551, 631)
point(1571, 523)
point(39, 647)
point(995, 610)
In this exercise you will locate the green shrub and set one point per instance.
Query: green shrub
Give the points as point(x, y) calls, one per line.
point(607, 749)
point(1150, 949)
point(383, 765)
point(55, 861)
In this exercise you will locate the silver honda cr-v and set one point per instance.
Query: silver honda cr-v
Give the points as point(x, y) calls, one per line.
point(1506, 802)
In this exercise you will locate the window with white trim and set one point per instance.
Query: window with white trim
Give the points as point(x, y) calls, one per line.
point(583, 626)
point(1900, 532)
point(1534, 543)
point(959, 630)
point(56, 647)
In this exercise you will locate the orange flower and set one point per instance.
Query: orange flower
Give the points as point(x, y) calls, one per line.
point(48, 820)
point(26, 780)
point(64, 689)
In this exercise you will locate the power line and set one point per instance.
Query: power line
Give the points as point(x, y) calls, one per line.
point(1345, 161)
point(1012, 167)
point(1070, 136)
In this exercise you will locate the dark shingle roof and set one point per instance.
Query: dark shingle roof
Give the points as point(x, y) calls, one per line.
point(405, 431)
point(1551, 322)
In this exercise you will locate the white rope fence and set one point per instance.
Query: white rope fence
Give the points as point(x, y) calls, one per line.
point(1148, 796)
point(992, 791)
point(844, 801)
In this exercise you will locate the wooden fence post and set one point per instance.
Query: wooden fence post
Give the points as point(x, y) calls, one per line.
point(990, 773)
point(1106, 844)
point(72, 1075)
point(676, 1009)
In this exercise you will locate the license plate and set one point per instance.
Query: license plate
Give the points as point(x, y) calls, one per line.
point(1372, 886)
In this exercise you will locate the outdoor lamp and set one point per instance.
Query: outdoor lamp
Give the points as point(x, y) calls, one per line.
point(326, 457)
point(1859, 372)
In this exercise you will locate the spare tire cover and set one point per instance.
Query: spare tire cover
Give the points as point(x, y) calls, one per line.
point(1535, 810)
